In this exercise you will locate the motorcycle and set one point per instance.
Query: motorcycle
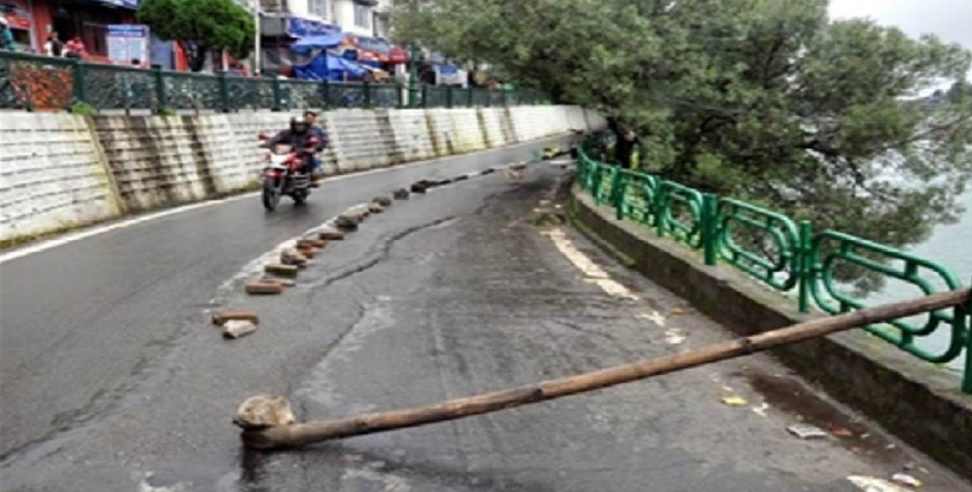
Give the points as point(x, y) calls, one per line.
point(284, 174)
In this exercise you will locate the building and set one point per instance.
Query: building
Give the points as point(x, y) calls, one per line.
point(33, 20)
point(365, 24)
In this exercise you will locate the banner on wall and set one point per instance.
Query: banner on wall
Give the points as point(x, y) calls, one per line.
point(127, 42)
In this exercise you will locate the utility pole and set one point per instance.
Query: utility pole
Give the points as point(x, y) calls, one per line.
point(256, 38)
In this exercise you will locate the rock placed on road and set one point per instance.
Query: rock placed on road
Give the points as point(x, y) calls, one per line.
point(293, 257)
point(401, 194)
point(419, 187)
point(264, 288)
point(221, 317)
point(346, 223)
point(375, 208)
point(282, 270)
point(330, 234)
point(311, 243)
point(384, 201)
point(238, 328)
point(263, 411)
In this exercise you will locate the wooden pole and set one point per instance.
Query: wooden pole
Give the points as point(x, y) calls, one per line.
point(311, 432)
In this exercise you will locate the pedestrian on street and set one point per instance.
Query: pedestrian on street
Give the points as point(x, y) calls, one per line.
point(53, 46)
point(6, 37)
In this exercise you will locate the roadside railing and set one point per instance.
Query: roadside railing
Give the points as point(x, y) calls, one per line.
point(30, 82)
point(787, 256)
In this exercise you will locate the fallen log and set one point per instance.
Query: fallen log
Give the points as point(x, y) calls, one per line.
point(284, 436)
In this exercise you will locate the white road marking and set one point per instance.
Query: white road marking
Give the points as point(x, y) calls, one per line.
point(96, 230)
point(592, 271)
point(654, 317)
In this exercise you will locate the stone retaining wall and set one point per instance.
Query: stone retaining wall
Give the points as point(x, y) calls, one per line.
point(59, 170)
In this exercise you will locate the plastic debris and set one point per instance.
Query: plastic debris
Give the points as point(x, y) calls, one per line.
point(905, 479)
point(761, 410)
point(735, 401)
point(806, 431)
point(871, 484)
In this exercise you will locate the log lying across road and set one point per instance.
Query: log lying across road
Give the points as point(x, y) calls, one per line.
point(294, 435)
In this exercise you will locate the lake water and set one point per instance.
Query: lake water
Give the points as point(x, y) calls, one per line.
point(950, 246)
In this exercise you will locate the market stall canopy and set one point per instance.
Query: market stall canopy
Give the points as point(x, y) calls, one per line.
point(327, 66)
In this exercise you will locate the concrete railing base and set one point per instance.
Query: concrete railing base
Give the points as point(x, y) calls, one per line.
point(916, 401)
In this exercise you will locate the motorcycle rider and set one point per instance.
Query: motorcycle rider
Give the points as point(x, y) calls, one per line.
point(301, 139)
point(310, 117)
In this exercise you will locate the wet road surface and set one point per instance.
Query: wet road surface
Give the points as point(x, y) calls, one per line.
point(115, 380)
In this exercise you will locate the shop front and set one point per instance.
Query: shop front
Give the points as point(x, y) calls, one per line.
point(20, 21)
point(95, 22)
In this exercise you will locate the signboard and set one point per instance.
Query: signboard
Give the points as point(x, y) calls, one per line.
point(127, 42)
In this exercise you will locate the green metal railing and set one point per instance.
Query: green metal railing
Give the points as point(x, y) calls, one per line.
point(785, 255)
point(33, 82)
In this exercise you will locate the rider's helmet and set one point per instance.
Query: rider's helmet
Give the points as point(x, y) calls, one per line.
point(298, 126)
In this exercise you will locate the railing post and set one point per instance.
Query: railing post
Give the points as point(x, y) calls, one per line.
point(224, 92)
point(506, 101)
point(326, 94)
point(425, 96)
point(80, 95)
point(469, 98)
point(659, 208)
point(277, 96)
point(805, 260)
point(160, 95)
point(710, 228)
point(967, 377)
point(449, 96)
point(400, 88)
point(618, 188)
point(367, 94)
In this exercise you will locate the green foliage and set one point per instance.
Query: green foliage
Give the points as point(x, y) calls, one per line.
point(83, 109)
point(765, 100)
point(201, 26)
point(166, 112)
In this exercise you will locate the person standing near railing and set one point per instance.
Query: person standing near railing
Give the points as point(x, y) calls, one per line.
point(75, 48)
point(53, 46)
point(6, 37)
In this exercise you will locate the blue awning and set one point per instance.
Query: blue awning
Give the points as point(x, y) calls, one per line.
point(307, 44)
point(125, 4)
point(302, 28)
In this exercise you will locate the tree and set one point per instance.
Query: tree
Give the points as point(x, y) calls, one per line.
point(200, 26)
point(764, 100)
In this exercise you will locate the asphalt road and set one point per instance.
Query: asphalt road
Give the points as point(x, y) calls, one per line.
point(113, 379)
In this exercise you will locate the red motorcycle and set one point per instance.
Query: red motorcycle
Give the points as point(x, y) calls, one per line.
point(285, 174)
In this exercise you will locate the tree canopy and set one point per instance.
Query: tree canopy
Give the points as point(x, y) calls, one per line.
point(764, 100)
point(200, 26)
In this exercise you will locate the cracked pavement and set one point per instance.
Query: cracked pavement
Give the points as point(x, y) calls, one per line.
point(445, 295)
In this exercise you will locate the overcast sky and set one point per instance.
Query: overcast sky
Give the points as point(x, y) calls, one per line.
point(951, 20)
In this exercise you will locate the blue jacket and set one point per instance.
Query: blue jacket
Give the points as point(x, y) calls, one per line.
point(6, 39)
